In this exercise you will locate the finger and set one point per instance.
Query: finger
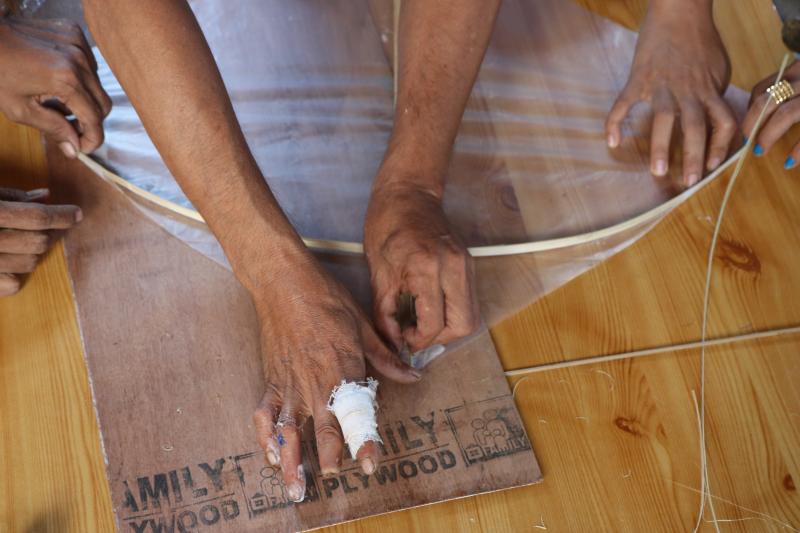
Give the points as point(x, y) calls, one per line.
point(384, 361)
point(264, 421)
point(661, 135)
point(329, 440)
point(461, 302)
point(723, 129)
point(368, 457)
point(757, 103)
point(54, 125)
point(617, 114)
point(18, 263)
point(693, 124)
point(784, 117)
point(425, 285)
point(23, 242)
point(73, 94)
point(289, 441)
point(385, 309)
point(793, 158)
point(9, 284)
point(34, 216)
point(17, 195)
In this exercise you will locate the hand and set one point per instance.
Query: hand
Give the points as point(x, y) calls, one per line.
point(49, 72)
point(778, 119)
point(681, 68)
point(410, 248)
point(25, 232)
point(313, 336)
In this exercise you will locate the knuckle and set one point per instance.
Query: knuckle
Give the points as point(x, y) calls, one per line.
point(327, 431)
point(74, 30)
point(65, 76)
point(262, 417)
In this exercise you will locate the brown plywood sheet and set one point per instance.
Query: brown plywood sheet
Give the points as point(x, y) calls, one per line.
point(171, 344)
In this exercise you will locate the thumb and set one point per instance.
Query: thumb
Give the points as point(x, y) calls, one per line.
point(385, 362)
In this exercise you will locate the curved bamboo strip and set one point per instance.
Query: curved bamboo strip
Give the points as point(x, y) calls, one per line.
point(476, 251)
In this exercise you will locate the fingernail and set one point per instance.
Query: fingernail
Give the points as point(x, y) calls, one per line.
point(330, 471)
point(746, 138)
point(714, 163)
point(691, 179)
point(296, 492)
point(612, 140)
point(758, 149)
point(273, 453)
point(416, 373)
point(297, 489)
point(367, 465)
point(37, 193)
point(789, 163)
point(78, 215)
point(661, 168)
point(68, 150)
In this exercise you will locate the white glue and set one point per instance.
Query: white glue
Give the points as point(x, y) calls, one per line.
point(354, 405)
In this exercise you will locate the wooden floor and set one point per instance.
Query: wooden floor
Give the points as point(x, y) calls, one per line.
point(618, 442)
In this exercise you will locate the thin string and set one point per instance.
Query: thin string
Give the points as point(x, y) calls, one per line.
point(396, 8)
point(712, 249)
point(670, 348)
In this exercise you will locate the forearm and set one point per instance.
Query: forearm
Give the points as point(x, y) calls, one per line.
point(441, 48)
point(158, 52)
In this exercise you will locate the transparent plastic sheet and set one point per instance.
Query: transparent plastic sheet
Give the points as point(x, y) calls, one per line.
point(312, 88)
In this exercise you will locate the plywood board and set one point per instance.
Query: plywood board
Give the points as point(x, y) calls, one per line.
point(171, 343)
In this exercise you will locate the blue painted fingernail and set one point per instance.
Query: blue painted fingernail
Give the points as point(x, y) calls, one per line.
point(281, 440)
point(789, 163)
point(758, 150)
point(745, 139)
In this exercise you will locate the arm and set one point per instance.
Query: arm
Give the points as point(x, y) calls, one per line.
point(409, 245)
point(681, 68)
point(313, 333)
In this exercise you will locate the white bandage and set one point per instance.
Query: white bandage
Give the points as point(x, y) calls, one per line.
point(354, 405)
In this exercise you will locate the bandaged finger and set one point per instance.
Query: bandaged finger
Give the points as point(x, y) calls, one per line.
point(354, 405)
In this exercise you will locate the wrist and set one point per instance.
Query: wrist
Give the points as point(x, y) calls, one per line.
point(402, 174)
point(395, 205)
point(262, 258)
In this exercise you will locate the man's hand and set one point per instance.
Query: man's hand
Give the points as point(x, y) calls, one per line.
point(778, 118)
point(681, 68)
point(25, 232)
point(48, 73)
point(313, 336)
point(410, 248)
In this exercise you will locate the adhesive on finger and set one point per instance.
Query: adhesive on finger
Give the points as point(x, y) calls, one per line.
point(354, 405)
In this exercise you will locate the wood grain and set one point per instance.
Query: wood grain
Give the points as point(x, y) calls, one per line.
point(51, 468)
point(181, 359)
point(618, 442)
